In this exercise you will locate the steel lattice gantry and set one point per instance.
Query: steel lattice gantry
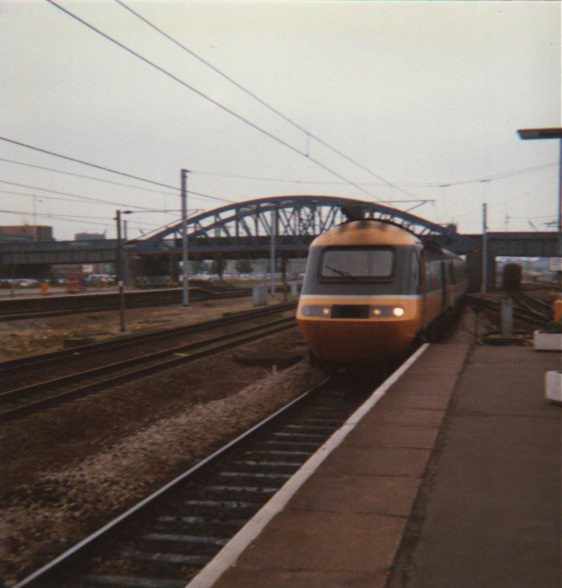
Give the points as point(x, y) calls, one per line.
point(247, 226)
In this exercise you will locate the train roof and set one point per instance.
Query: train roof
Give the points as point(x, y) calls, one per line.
point(366, 232)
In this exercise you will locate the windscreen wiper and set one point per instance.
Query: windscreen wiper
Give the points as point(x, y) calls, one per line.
point(341, 272)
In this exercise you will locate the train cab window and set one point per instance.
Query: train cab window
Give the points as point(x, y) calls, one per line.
point(357, 263)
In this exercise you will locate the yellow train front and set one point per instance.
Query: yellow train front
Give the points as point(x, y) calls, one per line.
point(370, 288)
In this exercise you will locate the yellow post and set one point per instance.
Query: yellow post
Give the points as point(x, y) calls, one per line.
point(558, 310)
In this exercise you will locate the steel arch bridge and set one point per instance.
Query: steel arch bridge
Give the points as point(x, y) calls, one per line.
point(247, 226)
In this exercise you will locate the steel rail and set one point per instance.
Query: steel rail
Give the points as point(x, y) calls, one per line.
point(204, 507)
point(135, 339)
point(171, 357)
point(519, 312)
point(112, 304)
point(536, 304)
point(95, 536)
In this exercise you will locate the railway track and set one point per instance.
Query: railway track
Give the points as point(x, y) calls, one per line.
point(67, 356)
point(25, 399)
point(534, 305)
point(527, 309)
point(168, 537)
point(34, 308)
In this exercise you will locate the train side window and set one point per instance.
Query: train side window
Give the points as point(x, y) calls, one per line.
point(415, 272)
point(422, 271)
point(431, 278)
point(436, 275)
point(452, 275)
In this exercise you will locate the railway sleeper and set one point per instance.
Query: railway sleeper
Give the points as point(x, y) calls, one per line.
point(281, 465)
point(165, 557)
point(235, 508)
point(298, 436)
point(246, 492)
point(211, 532)
point(253, 477)
point(291, 443)
point(95, 581)
point(308, 428)
point(271, 454)
point(180, 522)
point(184, 539)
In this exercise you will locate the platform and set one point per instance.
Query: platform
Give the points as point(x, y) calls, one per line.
point(452, 479)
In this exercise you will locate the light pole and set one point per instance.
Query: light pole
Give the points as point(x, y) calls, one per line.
point(484, 285)
point(119, 273)
point(272, 254)
point(184, 258)
point(549, 133)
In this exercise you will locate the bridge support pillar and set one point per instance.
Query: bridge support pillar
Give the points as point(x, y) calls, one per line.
point(155, 266)
point(174, 268)
point(284, 277)
point(474, 268)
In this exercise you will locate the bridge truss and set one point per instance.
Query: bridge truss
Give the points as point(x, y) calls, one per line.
point(297, 219)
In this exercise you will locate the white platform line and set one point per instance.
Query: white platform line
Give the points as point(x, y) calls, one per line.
point(230, 553)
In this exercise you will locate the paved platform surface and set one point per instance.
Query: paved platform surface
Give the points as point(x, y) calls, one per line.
point(452, 480)
point(491, 509)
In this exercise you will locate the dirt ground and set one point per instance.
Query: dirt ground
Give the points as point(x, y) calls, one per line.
point(67, 471)
point(27, 337)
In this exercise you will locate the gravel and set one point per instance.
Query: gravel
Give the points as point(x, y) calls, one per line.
point(71, 469)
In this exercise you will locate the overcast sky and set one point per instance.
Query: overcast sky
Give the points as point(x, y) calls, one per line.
point(421, 93)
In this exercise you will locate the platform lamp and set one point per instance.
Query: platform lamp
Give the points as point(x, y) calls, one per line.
point(549, 133)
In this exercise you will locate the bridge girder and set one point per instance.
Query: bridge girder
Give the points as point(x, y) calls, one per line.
point(300, 217)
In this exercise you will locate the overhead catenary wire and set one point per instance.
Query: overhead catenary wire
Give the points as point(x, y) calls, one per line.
point(435, 184)
point(308, 134)
point(85, 176)
point(77, 200)
point(77, 196)
point(107, 169)
point(206, 96)
point(43, 196)
point(68, 218)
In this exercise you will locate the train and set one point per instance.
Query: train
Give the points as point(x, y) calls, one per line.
point(371, 289)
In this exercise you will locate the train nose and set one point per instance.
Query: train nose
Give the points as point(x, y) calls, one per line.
point(358, 342)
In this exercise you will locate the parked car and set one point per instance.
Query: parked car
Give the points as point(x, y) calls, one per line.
point(27, 283)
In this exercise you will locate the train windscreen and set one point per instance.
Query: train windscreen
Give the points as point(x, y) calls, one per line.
point(357, 263)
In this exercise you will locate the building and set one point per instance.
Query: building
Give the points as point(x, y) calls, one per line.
point(26, 233)
point(89, 236)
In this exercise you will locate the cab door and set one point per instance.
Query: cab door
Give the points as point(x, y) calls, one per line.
point(444, 286)
point(419, 259)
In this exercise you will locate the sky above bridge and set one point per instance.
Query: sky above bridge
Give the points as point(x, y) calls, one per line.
point(425, 96)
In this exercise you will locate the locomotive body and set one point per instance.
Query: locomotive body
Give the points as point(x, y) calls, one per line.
point(370, 288)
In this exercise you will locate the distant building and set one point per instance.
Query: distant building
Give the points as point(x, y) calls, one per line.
point(89, 236)
point(94, 268)
point(26, 233)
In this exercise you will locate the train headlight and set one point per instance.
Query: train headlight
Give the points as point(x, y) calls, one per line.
point(316, 310)
point(377, 311)
point(398, 311)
